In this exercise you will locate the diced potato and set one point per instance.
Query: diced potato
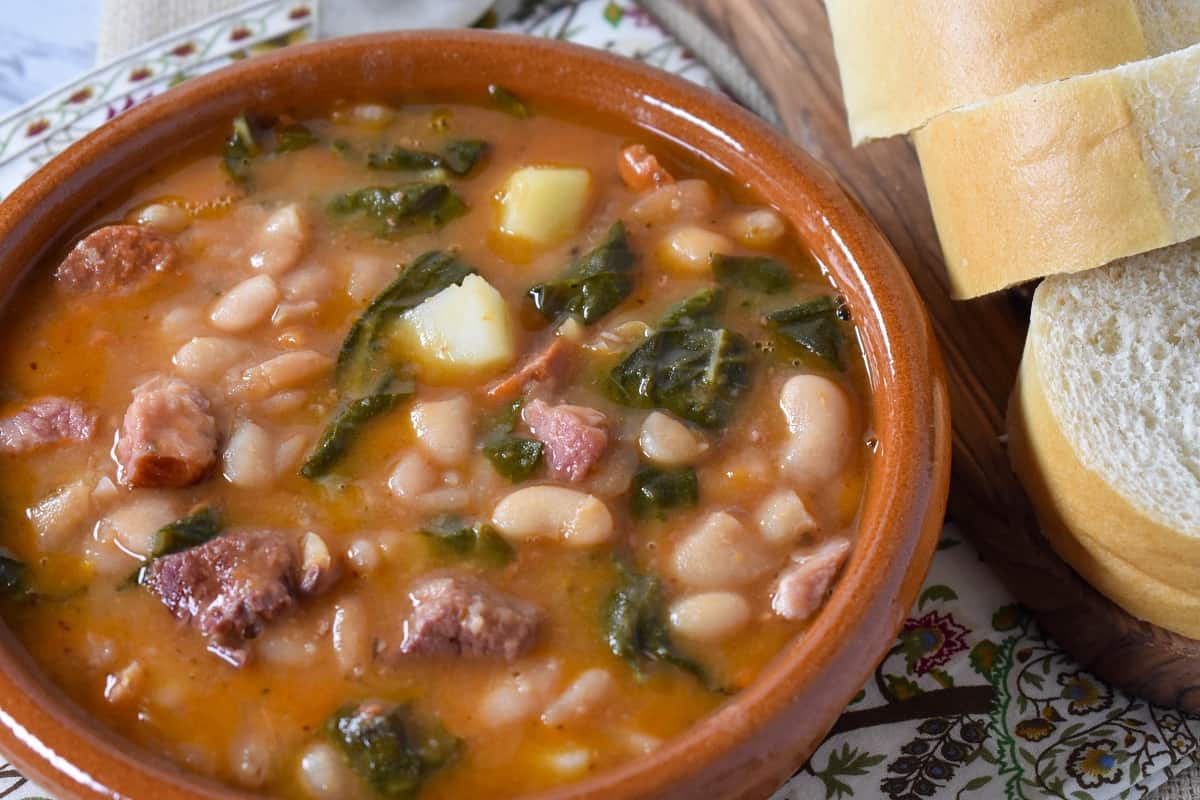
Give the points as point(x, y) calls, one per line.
point(544, 205)
point(461, 331)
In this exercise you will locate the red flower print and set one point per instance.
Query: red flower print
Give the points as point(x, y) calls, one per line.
point(80, 95)
point(237, 34)
point(36, 127)
point(299, 12)
point(140, 74)
point(183, 50)
point(931, 641)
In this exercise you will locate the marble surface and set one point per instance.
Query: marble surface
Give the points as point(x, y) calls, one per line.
point(43, 45)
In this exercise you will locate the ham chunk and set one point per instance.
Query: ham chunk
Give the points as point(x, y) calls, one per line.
point(44, 422)
point(462, 616)
point(640, 169)
point(168, 438)
point(804, 585)
point(230, 587)
point(115, 260)
point(544, 365)
point(575, 436)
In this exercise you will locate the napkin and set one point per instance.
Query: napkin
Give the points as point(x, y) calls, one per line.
point(972, 701)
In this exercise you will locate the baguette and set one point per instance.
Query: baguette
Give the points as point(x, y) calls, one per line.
point(1066, 176)
point(1104, 429)
point(903, 62)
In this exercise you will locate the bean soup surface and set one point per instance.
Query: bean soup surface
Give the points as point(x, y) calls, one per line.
point(436, 450)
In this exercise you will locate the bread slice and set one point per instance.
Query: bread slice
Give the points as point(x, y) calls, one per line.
point(1104, 429)
point(903, 62)
point(1066, 176)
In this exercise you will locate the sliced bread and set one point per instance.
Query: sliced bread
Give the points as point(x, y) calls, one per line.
point(1104, 429)
point(1067, 176)
point(903, 62)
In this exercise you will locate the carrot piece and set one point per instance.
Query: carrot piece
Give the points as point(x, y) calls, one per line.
point(640, 169)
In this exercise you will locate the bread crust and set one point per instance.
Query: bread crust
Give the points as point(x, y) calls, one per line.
point(1146, 568)
point(903, 63)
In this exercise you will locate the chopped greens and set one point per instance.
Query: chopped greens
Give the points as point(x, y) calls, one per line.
point(362, 361)
point(459, 158)
point(195, 529)
point(635, 624)
point(699, 374)
point(12, 574)
point(758, 273)
point(514, 457)
point(241, 146)
point(812, 326)
point(656, 491)
point(348, 423)
point(593, 284)
point(478, 541)
point(699, 310)
point(392, 212)
point(392, 748)
point(293, 136)
point(507, 102)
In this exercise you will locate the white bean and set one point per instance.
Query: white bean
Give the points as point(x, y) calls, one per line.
point(291, 646)
point(364, 555)
point(182, 322)
point(286, 371)
point(687, 251)
point(613, 475)
point(324, 773)
point(820, 420)
point(668, 441)
point(412, 476)
point(444, 429)
point(289, 313)
point(105, 491)
point(760, 228)
point(249, 460)
point(720, 553)
point(368, 276)
point(313, 282)
point(521, 695)
point(133, 525)
point(245, 305)
point(690, 200)
point(284, 402)
point(123, 684)
point(573, 761)
point(783, 518)
point(351, 636)
point(203, 358)
point(61, 514)
point(164, 217)
point(289, 452)
point(282, 241)
point(252, 756)
point(101, 552)
point(709, 616)
point(553, 512)
point(585, 694)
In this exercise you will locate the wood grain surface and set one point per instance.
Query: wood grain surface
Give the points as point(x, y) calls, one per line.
point(787, 45)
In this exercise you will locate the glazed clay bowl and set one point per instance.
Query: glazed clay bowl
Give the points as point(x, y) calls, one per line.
point(752, 743)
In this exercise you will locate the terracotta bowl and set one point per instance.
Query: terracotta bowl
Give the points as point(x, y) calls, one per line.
point(756, 740)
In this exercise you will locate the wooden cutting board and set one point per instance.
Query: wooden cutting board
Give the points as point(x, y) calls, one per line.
point(787, 45)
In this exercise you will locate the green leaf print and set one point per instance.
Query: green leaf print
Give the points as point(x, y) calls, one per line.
point(936, 592)
point(1007, 617)
point(984, 656)
point(847, 762)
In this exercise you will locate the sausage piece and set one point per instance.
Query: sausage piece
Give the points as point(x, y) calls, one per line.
point(168, 437)
point(115, 260)
point(544, 365)
point(640, 169)
point(44, 422)
point(575, 436)
point(803, 586)
point(458, 615)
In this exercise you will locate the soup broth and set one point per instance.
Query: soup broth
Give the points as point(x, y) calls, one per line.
point(374, 455)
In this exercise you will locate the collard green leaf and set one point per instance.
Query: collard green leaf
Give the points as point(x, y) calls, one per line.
point(514, 457)
point(293, 136)
point(699, 374)
point(478, 541)
point(593, 284)
point(392, 748)
point(195, 529)
point(459, 158)
point(698, 311)
point(348, 424)
point(12, 574)
point(635, 624)
point(362, 361)
point(507, 102)
point(656, 490)
point(392, 212)
point(757, 273)
point(241, 146)
point(813, 326)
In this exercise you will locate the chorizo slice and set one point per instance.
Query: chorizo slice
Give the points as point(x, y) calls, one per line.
point(43, 422)
point(115, 260)
point(168, 437)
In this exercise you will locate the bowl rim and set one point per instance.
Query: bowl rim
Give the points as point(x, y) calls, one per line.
point(52, 740)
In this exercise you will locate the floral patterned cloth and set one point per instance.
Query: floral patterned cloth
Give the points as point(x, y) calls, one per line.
point(972, 701)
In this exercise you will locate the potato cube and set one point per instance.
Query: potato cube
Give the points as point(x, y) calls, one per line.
point(461, 331)
point(544, 205)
